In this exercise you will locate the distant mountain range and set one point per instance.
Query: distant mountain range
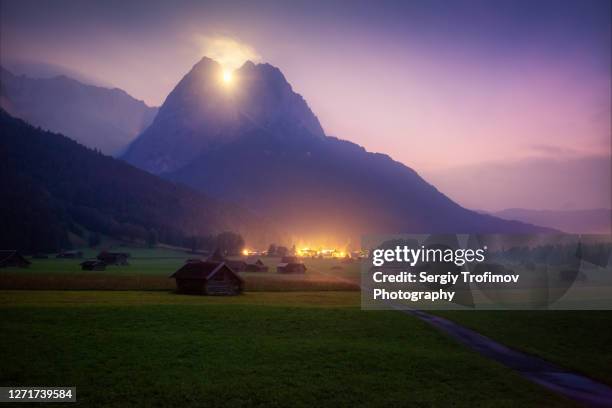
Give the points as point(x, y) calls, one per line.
point(101, 118)
point(256, 142)
point(595, 221)
point(54, 187)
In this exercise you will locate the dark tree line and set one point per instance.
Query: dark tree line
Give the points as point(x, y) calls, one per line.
point(54, 187)
point(227, 242)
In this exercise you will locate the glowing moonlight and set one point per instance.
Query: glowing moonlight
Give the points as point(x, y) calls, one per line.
point(227, 76)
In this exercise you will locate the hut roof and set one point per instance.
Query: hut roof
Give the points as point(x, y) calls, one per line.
point(202, 270)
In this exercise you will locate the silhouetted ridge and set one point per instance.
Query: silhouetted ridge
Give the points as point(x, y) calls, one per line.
point(101, 118)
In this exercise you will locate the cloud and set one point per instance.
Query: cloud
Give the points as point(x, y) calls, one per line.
point(552, 151)
point(41, 69)
point(227, 51)
point(534, 183)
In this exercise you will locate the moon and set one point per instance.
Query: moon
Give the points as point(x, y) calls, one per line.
point(227, 76)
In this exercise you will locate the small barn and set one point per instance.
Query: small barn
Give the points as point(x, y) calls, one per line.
point(13, 258)
point(70, 255)
point(93, 265)
point(258, 266)
point(291, 267)
point(113, 258)
point(207, 278)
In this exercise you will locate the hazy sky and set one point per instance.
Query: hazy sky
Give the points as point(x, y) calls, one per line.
point(469, 93)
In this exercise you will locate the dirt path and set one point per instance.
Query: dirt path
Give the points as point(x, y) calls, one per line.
point(557, 379)
point(565, 382)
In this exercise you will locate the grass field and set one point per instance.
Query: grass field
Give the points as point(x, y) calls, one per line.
point(261, 349)
point(289, 340)
point(578, 340)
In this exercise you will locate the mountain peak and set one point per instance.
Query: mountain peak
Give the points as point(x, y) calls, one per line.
point(206, 63)
point(262, 68)
point(248, 65)
point(264, 75)
point(203, 111)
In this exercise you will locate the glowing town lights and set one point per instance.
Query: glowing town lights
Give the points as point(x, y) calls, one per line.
point(309, 252)
point(312, 252)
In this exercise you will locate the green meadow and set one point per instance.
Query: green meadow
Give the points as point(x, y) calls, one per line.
point(264, 349)
point(125, 339)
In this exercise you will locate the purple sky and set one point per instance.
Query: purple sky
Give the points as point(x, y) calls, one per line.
point(499, 104)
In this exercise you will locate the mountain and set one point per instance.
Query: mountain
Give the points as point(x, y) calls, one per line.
point(201, 112)
point(256, 142)
point(101, 118)
point(592, 221)
point(53, 186)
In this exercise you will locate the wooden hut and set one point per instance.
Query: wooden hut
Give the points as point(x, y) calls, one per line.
point(208, 278)
point(93, 265)
point(291, 267)
point(258, 266)
point(13, 258)
point(113, 258)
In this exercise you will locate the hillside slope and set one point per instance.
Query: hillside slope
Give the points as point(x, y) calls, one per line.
point(101, 118)
point(54, 185)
